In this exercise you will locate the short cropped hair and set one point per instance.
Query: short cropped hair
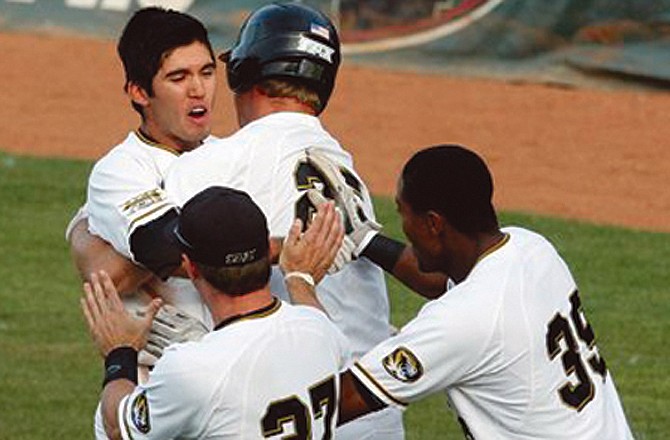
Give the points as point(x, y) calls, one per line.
point(454, 182)
point(149, 37)
point(237, 280)
point(286, 88)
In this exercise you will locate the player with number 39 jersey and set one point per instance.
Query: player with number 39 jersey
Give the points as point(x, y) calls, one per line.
point(514, 326)
point(508, 341)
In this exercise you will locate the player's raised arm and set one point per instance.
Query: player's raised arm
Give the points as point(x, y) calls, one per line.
point(363, 234)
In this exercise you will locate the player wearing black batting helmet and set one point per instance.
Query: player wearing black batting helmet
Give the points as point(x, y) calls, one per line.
point(288, 41)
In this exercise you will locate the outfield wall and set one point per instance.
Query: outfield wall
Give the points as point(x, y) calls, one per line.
point(625, 38)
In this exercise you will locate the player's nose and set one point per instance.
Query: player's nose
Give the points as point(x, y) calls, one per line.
point(197, 87)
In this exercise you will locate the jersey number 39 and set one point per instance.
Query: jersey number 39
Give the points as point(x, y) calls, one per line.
point(575, 395)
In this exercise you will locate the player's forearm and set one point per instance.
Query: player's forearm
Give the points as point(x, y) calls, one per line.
point(301, 292)
point(399, 260)
point(429, 285)
point(355, 400)
point(90, 254)
point(111, 399)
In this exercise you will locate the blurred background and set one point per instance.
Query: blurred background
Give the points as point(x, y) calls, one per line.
point(562, 41)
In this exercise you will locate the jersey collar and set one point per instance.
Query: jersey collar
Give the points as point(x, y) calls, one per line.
point(253, 314)
point(145, 138)
point(494, 248)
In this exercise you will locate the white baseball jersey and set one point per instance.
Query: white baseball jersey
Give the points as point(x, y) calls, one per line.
point(271, 373)
point(125, 190)
point(511, 347)
point(264, 160)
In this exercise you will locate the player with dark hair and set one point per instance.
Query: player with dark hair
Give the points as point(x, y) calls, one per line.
point(149, 37)
point(268, 369)
point(170, 79)
point(508, 342)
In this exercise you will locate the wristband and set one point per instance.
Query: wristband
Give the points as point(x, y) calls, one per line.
point(365, 242)
point(384, 252)
point(302, 275)
point(121, 363)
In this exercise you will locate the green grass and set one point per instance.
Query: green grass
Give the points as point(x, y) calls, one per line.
point(50, 373)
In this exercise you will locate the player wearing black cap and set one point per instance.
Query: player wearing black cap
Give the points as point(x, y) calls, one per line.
point(248, 378)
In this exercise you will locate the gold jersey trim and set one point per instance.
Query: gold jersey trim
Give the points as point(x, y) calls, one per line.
point(494, 248)
point(379, 386)
point(152, 143)
point(254, 314)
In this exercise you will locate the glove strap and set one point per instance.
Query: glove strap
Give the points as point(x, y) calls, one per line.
point(121, 363)
point(302, 275)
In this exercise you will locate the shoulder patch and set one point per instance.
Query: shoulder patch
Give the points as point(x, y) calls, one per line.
point(143, 201)
point(403, 365)
point(140, 413)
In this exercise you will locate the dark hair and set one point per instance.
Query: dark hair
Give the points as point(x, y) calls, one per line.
point(237, 280)
point(454, 182)
point(149, 37)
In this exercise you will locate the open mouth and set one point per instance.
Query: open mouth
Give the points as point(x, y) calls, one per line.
point(197, 112)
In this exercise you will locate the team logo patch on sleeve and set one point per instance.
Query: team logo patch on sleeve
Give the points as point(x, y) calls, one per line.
point(139, 413)
point(143, 201)
point(403, 365)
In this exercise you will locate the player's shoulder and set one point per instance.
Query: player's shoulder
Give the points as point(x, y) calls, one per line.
point(126, 153)
point(303, 312)
point(527, 246)
point(214, 148)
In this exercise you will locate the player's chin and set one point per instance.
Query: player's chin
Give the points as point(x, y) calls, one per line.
point(426, 263)
point(197, 130)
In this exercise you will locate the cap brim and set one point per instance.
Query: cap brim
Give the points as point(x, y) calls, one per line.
point(170, 234)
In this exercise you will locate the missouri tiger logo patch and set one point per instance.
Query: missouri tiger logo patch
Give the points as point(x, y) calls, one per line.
point(403, 365)
point(140, 413)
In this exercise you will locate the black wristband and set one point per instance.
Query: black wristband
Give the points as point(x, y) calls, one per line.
point(384, 252)
point(121, 363)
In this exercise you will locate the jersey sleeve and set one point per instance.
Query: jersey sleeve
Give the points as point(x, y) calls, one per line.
point(123, 194)
point(437, 349)
point(172, 404)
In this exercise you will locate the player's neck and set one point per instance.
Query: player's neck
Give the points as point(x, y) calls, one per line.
point(253, 105)
point(226, 307)
point(470, 250)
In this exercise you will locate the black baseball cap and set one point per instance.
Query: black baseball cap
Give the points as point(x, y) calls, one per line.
point(222, 227)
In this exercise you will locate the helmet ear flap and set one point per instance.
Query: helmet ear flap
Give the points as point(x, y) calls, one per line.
point(242, 74)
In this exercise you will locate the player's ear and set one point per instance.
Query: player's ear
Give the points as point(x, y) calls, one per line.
point(137, 94)
point(435, 222)
point(189, 267)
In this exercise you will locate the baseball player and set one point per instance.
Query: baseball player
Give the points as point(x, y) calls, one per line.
point(247, 379)
point(282, 71)
point(170, 79)
point(509, 342)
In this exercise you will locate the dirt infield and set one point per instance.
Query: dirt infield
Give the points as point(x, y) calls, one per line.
point(602, 156)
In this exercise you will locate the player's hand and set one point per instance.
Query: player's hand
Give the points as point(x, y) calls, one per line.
point(109, 324)
point(314, 251)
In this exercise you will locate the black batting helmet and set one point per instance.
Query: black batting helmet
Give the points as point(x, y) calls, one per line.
point(289, 41)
